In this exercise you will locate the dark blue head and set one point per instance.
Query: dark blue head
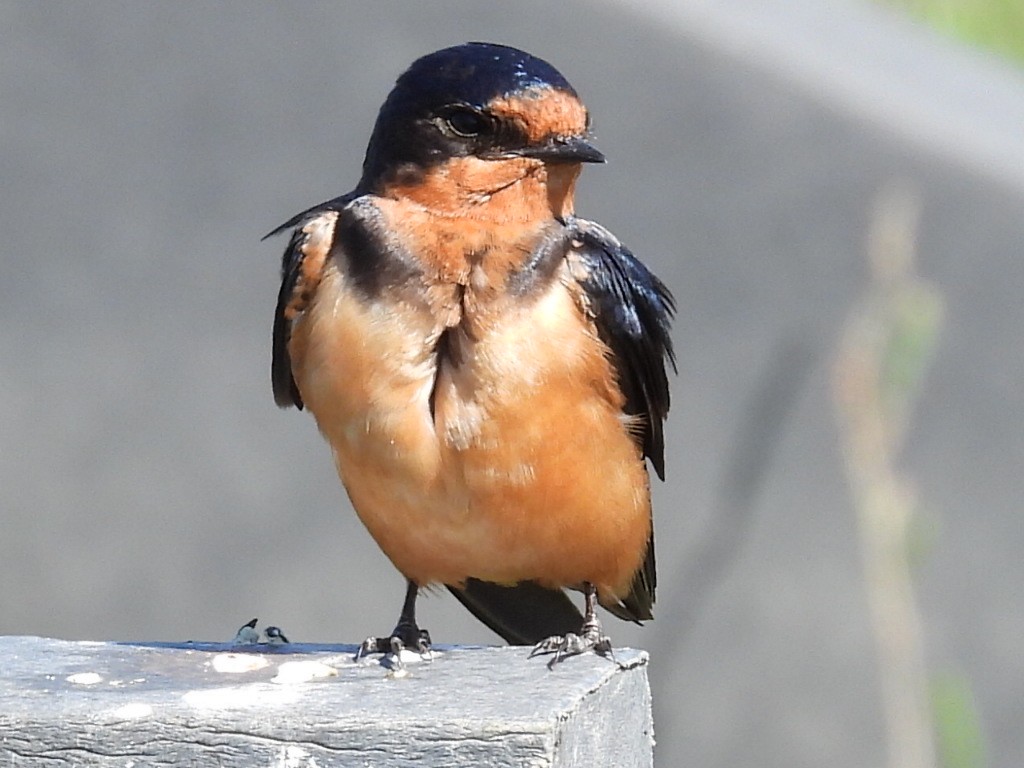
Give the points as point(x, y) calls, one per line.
point(473, 73)
point(481, 99)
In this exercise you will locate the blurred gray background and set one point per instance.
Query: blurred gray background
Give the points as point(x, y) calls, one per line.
point(150, 489)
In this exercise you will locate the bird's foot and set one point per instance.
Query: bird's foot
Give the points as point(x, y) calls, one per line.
point(590, 638)
point(406, 636)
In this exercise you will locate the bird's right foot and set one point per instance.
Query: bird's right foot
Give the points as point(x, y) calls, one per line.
point(406, 636)
point(590, 638)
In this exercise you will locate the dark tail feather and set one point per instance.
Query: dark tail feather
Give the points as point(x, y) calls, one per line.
point(524, 614)
point(637, 605)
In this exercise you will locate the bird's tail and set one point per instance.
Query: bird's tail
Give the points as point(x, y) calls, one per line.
point(523, 614)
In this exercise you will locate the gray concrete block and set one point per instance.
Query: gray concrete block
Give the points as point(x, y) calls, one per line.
point(107, 704)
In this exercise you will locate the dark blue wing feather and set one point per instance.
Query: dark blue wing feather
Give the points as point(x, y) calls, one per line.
point(286, 393)
point(632, 310)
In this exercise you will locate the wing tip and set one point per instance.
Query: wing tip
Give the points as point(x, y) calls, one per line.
point(522, 614)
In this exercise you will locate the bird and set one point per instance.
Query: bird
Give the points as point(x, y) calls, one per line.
point(247, 634)
point(489, 369)
point(275, 636)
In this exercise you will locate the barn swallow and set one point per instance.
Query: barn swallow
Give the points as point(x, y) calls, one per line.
point(489, 369)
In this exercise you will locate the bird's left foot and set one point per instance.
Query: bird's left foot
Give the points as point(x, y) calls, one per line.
point(590, 638)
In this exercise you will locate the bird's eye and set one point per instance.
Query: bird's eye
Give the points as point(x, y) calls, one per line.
point(467, 122)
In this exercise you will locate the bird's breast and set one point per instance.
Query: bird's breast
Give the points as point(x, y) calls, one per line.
point(475, 418)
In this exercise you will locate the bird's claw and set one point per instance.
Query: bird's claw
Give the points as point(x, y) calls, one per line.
point(404, 637)
point(590, 638)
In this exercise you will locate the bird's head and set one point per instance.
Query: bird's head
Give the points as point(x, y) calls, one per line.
point(477, 118)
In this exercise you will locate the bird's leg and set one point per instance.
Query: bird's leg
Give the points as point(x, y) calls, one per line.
point(590, 638)
point(406, 633)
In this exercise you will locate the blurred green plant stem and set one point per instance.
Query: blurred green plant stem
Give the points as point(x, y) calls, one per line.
point(877, 376)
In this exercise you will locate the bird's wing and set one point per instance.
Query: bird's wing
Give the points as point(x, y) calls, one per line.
point(632, 312)
point(301, 267)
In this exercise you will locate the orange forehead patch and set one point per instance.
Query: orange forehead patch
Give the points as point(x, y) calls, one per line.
point(543, 112)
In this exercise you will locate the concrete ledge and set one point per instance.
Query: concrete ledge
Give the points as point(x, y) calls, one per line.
point(106, 704)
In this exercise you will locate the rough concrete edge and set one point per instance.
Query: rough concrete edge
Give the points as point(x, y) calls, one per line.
point(956, 102)
point(628, 735)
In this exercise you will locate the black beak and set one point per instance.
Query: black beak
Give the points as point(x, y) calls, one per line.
point(573, 149)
